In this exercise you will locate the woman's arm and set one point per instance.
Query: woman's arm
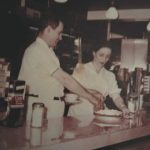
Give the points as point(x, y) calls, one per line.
point(120, 103)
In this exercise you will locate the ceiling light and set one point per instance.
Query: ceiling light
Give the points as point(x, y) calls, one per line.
point(148, 26)
point(77, 42)
point(111, 13)
point(61, 1)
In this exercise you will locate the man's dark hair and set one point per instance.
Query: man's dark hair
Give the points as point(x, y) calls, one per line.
point(49, 18)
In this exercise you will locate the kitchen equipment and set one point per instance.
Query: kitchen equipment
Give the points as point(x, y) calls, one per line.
point(13, 107)
point(146, 84)
point(4, 109)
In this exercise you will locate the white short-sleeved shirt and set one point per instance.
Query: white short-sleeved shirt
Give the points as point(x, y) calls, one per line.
point(104, 82)
point(38, 65)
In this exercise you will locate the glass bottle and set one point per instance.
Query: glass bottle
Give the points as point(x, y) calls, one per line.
point(37, 115)
point(131, 105)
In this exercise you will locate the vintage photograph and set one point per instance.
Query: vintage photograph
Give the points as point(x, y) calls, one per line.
point(75, 75)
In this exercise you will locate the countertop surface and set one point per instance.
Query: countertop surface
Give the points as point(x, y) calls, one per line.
point(83, 132)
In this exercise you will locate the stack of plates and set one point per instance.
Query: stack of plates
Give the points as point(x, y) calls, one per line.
point(108, 116)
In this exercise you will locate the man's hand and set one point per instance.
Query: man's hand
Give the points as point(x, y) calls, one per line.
point(97, 100)
point(70, 83)
point(97, 94)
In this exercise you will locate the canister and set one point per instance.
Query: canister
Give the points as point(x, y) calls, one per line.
point(37, 115)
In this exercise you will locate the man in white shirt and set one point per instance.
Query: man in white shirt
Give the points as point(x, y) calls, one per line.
point(42, 72)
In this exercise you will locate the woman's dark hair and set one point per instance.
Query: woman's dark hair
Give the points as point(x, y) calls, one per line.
point(50, 18)
point(98, 45)
point(94, 47)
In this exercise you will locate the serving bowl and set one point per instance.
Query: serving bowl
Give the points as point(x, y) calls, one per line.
point(71, 98)
point(108, 116)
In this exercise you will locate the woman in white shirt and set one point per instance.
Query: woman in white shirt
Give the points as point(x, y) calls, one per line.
point(94, 76)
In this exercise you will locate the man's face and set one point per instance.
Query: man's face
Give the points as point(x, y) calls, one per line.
point(54, 35)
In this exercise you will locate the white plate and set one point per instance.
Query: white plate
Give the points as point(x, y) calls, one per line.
point(109, 112)
point(106, 124)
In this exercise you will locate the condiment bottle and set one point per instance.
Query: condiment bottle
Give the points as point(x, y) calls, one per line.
point(37, 114)
point(35, 136)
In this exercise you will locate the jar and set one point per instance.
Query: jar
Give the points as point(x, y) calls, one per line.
point(37, 114)
point(131, 105)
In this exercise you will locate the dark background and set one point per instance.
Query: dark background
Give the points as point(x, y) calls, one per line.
point(15, 34)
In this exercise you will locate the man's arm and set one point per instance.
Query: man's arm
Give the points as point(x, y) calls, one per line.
point(70, 83)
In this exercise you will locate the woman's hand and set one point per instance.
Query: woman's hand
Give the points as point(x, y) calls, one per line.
point(126, 112)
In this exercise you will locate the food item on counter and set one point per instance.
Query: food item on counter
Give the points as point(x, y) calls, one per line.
point(109, 112)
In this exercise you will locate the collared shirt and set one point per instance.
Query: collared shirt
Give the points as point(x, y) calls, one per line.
point(38, 65)
point(104, 81)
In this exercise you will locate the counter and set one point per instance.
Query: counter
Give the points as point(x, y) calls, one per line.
point(74, 133)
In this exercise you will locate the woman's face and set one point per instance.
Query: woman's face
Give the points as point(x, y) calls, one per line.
point(102, 56)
